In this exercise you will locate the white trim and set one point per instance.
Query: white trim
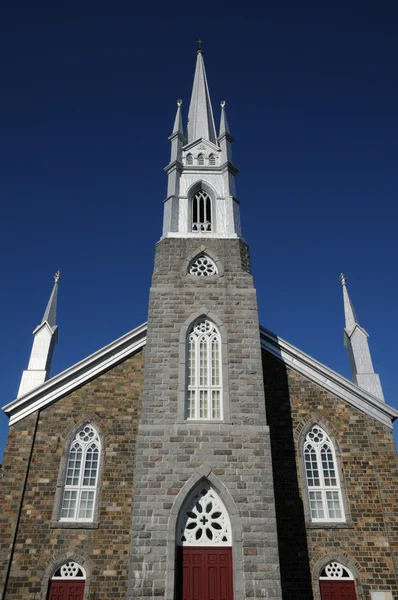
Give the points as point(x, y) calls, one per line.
point(77, 375)
point(326, 378)
point(92, 366)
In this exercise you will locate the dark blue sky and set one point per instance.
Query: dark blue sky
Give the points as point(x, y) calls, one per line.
point(88, 98)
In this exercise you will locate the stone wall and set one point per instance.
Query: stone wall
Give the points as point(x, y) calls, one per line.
point(113, 402)
point(368, 542)
point(174, 454)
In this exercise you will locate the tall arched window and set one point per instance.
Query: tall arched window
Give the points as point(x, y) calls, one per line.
point(189, 159)
point(201, 159)
point(212, 160)
point(204, 387)
point(81, 477)
point(324, 492)
point(201, 212)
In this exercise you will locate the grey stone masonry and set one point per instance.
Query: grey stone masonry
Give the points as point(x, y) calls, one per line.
point(175, 454)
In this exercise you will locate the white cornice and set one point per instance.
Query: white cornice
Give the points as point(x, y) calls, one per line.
point(326, 378)
point(117, 351)
point(77, 375)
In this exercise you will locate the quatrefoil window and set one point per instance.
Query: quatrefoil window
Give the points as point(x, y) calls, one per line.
point(202, 266)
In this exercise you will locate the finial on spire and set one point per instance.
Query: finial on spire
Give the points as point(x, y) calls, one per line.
point(57, 277)
point(343, 279)
point(223, 104)
point(199, 42)
point(179, 103)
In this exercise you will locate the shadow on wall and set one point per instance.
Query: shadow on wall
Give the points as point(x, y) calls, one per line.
point(292, 538)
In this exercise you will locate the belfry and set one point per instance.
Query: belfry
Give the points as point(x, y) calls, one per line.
point(199, 456)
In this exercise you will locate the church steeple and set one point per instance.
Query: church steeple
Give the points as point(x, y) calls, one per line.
point(356, 342)
point(45, 338)
point(201, 176)
point(200, 116)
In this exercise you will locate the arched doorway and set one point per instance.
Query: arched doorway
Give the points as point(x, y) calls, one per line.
point(337, 582)
point(68, 582)
point(204, 548)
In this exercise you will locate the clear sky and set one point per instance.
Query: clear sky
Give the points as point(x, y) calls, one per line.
point(88, 99)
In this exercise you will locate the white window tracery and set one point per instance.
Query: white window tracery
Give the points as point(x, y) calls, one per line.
point(189, 159)
point(204, 393)
point(334, 570)
point(201, 159)
point(212, 160)
point(81, 476)
point(69, 570)
point(324, 492)
point(201, 212)
point(204, 520)
point(202, 266)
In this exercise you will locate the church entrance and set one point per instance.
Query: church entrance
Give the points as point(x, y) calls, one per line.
point(337, 583)
point(66, 590)
point(67, 583)
point(204, 551)
point(206, 573)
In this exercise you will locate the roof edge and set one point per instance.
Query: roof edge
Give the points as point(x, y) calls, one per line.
point(76, 375)
point(327, 378)
point(100, 361)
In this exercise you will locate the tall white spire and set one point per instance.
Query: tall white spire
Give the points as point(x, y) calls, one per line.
point(45, 338)
point(201, 171)
point(200, 115)
point(356, 342)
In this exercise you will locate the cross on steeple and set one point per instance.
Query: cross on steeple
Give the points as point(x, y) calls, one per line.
point(199, 42)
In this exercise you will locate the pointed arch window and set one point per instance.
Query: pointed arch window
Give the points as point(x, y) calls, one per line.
point(189, 159)
point(324, 490)
point(212, 160)
point(201, 212)
point(81, 477)
point(204, 520)
point(204, 388)
point(201, 159)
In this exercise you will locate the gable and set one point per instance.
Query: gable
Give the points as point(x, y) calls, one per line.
point(91, 367)
point(77, 375)
point(326, 378)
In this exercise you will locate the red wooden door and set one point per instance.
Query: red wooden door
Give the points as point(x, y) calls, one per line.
point(204, 573)
point(62, 589)
point(338, 590)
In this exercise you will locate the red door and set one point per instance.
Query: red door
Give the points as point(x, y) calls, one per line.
point(338, 590)
point(66, 590)
point(204, 573)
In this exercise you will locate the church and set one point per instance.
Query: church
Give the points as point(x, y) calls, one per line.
point(199, 456)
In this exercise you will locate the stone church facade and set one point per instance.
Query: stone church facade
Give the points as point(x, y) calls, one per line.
point(199, 456)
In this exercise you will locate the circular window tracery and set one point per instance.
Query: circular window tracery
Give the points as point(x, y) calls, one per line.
point(335, 570)
point(204, 521)
point(202, 266)
point(69, 570)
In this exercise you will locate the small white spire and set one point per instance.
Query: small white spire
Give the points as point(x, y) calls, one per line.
point(178, 126)
point(349, 312)
point(51, 310)
point(45, 338)
point(224, 127)
point(356, 342)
